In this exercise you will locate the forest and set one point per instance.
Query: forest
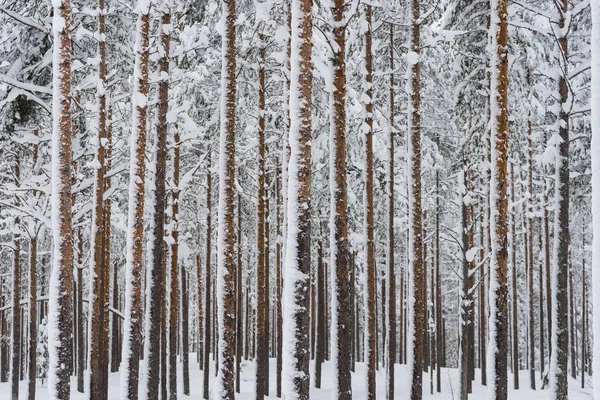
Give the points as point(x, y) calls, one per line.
point(300, 199)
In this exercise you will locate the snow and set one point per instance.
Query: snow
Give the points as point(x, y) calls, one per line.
point(450, 385)
point(595, 9)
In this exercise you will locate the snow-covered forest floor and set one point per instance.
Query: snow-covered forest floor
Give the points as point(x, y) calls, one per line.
point(450, 385)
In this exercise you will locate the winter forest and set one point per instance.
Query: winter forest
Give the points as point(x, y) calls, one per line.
point(298, 199)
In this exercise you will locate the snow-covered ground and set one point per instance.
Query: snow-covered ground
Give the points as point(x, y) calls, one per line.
point(450, 388)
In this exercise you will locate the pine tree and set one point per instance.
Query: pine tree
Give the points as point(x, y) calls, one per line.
point(207, 277)
point(498, 294)
point(15, 350)
point(60, 307)
point(174, 276)
point(370, 275)
point(296, 354)
point(226, 266)
point(341, 319)
point(417, 283)
point(132, 330)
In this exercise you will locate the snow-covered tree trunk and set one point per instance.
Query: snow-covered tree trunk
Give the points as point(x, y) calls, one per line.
point(207, 278)
point(15, 340)
point(174, 275)
point(558, 376)
point(391, 273)
point(416, 282)
point(262, 276)
point(514, 298)
point(296, 300)
point(341, 342)
point(499, 183)
point(132, 329)
point(60, 307)
point(32, 311)
point(226, 263)
point(370, 273)
point(239, 348)
point(156, 265)
point(100, 272)
point(595, 5)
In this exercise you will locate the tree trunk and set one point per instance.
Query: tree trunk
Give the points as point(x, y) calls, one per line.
point(200, 308)
point(174, 295)
point(184, 331)
point(15, 352)
point(207, 278)
point(278, 284)
point(296, 346)
point(262, 285)
point(239, 333)
point(417, 281)
point(514, 298)
point(498, 295)
point(438, 285)
point(80, 321)
point(61, 282)
point(320, 345)
point(33, 329)
point(154, 303)
point(100, 270)
point(226, 266)
point(132, 332)
point(560, 304)
point(391, 311)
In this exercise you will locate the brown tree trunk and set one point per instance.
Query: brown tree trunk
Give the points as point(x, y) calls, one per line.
point(207, 278)
point(226, 266)
point(278, 285)
point(438, 286)
point(132, 333)
point(572, 331)
point(61, 285)
point(80, 321)
point(296, 291)
point(99, 297)
point(262, 285)
point(116, 329)
point(499, 191)
point(33, 331)
point(340, 334)
point(417, 276)
point(154, 304)
point(174, 298)
point(200, 309)
point(391, 273)
point(527, 239)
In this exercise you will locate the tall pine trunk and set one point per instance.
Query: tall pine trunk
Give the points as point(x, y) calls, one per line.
point(416, 283)
point(60, 307)
point(132, 330)
point(156, 267)
point(226, 266)
point(207, 279)
point(296, 297)
point(174, 276)
point(499, 183)
point(370, 275)
point(15, 351)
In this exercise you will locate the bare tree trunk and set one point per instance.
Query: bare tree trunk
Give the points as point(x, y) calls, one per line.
point(417, 281)
point(156, 279)
point(184, 331)
point(61, 281)
point(15, 352)
point(115, 331)
point(296, 346)
point(560, 329)
point(438, 285)
point(200, 309)
point(99, 297)
point(278, 284)
point(207, 278)
point(572, 331)
point(132, 332)
point(174, 295)
point(262, 286)
point(391, 311)
point(33, 330)
point(238, 336)
point(497, 360)
point(514, 298)
point(340, 306)
point(319, 356)
point(80, 321)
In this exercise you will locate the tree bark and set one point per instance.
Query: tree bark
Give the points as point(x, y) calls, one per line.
point(207, 278)
point(514, 298)
point(184, 331)
point(132, 332)
point(296, 346)
point(154, 303)
point(174, 295)
point(15, 352)
point(498, 295)
point(391, 273)
point(320, 345)
point(239, 306)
